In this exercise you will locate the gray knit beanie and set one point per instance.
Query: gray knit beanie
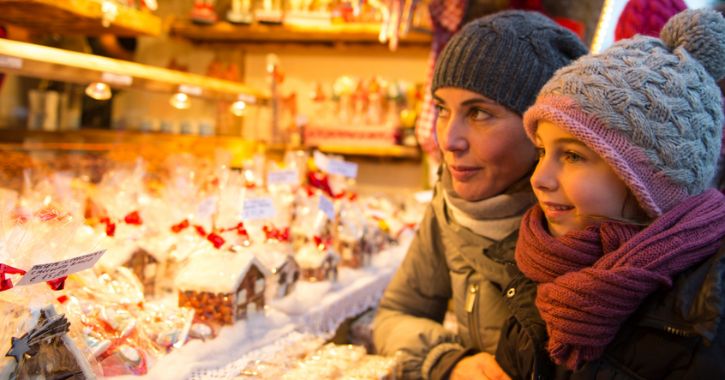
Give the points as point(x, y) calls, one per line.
point(649, 107)
point(506, 56)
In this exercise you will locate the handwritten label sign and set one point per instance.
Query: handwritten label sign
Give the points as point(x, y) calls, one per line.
point(327, 207)
point(283, 177)
point(258, 208)
point(335, 166)
point(11, 62)
point(58, 269)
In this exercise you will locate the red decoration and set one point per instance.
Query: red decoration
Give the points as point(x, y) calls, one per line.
point(275, 233)
point(133, 218)
point(176, 228)
point(216, 240)
point(320, 181)
point(200, 230)
point(5, 283)
point(110, 226)
point(58, 283)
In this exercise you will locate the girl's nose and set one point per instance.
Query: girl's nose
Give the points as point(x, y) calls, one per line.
point(544, 176)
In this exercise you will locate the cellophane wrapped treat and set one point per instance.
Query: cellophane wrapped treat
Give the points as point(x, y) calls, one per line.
point(42, 342)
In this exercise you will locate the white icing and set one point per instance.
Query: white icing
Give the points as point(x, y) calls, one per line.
point(218, 272)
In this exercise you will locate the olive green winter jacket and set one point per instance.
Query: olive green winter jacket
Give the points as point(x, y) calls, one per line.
point(445, 261)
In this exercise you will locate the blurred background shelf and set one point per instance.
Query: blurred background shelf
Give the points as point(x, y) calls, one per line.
point(397, 151)
point(359, 33)
point(57, 64)
point(78, 17)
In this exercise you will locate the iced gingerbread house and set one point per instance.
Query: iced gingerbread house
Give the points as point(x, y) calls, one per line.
point(44, 351)
point(350, 241)
point(278, 258)
point(143, 258)
point(222, 287)
point(317, 263)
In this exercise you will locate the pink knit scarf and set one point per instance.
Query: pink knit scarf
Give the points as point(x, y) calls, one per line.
point(591, 280)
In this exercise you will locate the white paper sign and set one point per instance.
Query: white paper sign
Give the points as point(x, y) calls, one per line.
point(320, 160)
point(283, 177)
point(335, 166)
point(327, 207)
point(258, 208)
point(11, 62)
point(58, 269)
point(119, 79)
point(206, 208)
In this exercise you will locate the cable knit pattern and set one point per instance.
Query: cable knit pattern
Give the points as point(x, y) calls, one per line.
point(652, 102)
point(592, 280)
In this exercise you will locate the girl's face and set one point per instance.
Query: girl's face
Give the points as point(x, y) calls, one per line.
point(575, 187)
point(482, 142)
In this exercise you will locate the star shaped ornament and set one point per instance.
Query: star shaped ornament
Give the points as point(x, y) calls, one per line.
point(19, 348)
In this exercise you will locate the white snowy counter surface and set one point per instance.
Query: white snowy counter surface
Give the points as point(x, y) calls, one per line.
point(315, 308)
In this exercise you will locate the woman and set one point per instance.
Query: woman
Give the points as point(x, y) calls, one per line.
point(623, 258)
point(484, 80)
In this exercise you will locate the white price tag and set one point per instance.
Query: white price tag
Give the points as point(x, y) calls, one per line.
point(320, 160)
point(258, 208)
point(11, 62)
point(334, 166)
point(283, 177)
point(117, 79)
point(206, 208)
point(343, 168)
point(58, 269)
point(190, 90)
point(327, 207)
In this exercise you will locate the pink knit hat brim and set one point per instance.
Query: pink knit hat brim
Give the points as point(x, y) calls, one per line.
point(626, 159)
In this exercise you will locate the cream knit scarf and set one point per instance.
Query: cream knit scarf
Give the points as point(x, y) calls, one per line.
point(495, 217)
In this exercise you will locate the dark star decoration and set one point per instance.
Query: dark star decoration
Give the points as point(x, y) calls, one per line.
point(19, 348)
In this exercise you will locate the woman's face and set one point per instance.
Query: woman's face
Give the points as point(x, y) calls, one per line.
point(575, 187)
point(482, 142)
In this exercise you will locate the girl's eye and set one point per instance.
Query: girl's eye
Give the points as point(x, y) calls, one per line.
point(478, 114)
point(570, 156)
point(540, 152)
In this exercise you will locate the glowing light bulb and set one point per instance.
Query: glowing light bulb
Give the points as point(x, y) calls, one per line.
point(180, 101)
point(237, 108)
point(98, 91)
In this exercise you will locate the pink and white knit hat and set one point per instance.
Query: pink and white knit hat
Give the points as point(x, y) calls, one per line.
point(649, 107)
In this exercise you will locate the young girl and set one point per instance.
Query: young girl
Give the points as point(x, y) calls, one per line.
point(622, 255)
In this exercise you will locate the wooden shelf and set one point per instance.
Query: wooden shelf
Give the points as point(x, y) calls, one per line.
point(259, 33)
point(396, 151)
point(63, 65)
point(124, 145)
point(77, 17)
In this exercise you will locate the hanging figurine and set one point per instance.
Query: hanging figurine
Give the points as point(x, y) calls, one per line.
point(203, 12)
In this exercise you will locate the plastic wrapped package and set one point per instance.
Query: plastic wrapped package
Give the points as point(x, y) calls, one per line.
point(39, 345)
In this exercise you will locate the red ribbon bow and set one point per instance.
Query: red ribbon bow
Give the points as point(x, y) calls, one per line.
point(5, 283)
point(320, 181)
point(276, 233)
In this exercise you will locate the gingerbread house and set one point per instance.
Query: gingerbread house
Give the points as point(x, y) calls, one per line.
point(145, 264)
point(223, 287)
point(278, 258)
point(45, 351)
point(317, 263)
